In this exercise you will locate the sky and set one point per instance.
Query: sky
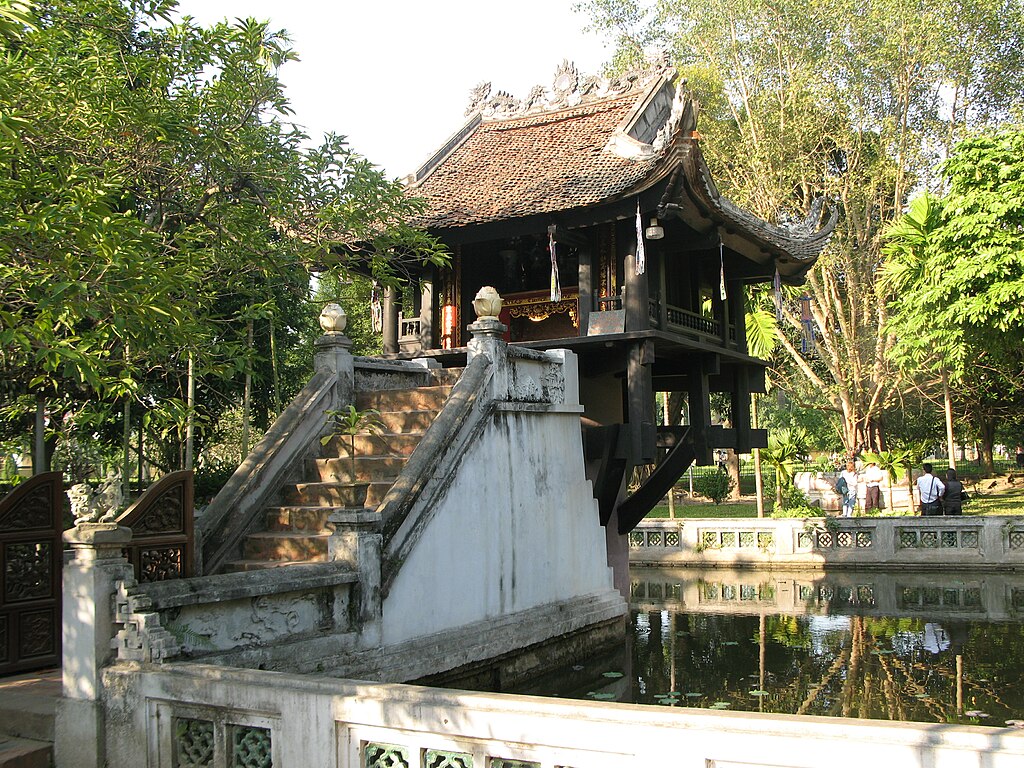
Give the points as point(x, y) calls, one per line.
point(394, 76)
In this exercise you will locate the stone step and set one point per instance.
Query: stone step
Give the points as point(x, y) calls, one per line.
point(367, 468)
point(414, 399)
point(376, 492)
point(28, 704)
point(25, 753)
point(407, 421)
point(331, 494)
point(286, 545)
point(298, 519)
point(384, 444)
point(447, 376)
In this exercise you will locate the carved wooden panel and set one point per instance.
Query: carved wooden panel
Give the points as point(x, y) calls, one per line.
point(162, 537)
point(30, 561)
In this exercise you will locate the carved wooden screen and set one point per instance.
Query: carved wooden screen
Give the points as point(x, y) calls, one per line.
point(30, 561)
point(161, 521)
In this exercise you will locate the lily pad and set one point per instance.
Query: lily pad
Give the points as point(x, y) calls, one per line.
point(730, 642)
point(611, 674)
point(693, 695)
point(759, 693)
point(601, 696)
point(976, 713)
point(577, 667)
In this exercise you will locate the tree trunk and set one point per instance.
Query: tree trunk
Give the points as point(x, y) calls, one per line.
point(732, 465)
point(987, 439)
point(947, 403)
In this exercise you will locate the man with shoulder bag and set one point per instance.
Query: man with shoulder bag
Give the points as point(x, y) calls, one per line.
point(930, 490)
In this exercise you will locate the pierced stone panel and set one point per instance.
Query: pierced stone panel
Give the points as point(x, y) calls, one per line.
point(747, 539)
point(250, 747)
point(825, 540)
point(385, 756)
point(908, 538)
point(193, 743)
point(803, 540)
point(948, 539)
point(671, 538)
point(863, 539)
point(435, 758)
point(27, 573)
point(765, 539)
point(969, 539)
point(929, 539)
point(636, 538)
point(728, 539)
point(709, 539)
point(1017, 539)
point(844, 539)
point(502, 762)
point(654, 539)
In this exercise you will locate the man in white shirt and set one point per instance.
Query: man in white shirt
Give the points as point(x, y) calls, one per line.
point(873, 477)
point(929, 489)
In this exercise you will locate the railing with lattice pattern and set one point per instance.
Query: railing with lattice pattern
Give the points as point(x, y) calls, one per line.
point(736, 539)
point(654, 538)
point(835, 539)
point(912, 538)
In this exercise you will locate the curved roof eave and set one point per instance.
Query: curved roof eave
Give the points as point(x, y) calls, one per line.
point(694, 197)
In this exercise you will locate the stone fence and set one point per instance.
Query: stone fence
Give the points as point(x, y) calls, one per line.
point(200, 715)
point(917, 542)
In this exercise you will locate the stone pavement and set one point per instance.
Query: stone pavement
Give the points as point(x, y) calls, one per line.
point(27, 705)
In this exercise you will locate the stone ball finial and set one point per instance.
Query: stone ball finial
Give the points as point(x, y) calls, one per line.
point(333, 318)
point(487, 303)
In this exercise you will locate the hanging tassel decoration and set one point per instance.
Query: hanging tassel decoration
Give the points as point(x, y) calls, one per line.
point(556, 286)
point(777, 282)
point(641, 253)
point(721, 282)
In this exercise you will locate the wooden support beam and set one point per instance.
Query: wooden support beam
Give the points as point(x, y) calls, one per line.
point(640, 401)
point(586, 286)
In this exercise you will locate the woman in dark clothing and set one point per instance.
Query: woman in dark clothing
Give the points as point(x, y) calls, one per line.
point(954, 496)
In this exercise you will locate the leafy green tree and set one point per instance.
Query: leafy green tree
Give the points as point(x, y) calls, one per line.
point(785, 446)
point(161, 215)
point(958, 293)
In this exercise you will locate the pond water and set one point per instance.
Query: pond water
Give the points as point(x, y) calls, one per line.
point(929, 647)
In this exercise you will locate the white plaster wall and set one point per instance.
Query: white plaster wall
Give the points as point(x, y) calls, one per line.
point(518, 528)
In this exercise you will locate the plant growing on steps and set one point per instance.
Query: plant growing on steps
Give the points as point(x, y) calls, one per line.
point(349, 422)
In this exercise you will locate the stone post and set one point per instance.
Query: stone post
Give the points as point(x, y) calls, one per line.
point(487, 338)
point(90, 579)
point(334, 352)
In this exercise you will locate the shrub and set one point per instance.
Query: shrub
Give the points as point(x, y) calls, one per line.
point(713, 485)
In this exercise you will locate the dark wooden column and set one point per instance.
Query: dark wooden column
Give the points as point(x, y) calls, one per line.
point(428, 302)
point(390, 320)
point(586, 285)
point(699, 404)
point(663, 292)
point(640, 401)
point(637, 313)
point(738, 312)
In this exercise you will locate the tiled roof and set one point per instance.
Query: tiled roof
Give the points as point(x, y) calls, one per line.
point(540, 163)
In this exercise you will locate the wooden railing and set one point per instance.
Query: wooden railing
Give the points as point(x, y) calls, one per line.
point(163, 543)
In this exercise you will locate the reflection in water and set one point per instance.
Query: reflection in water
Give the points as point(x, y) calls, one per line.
point(919, 647)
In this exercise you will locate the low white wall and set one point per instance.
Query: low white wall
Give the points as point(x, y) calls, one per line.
point(301, 721)
point(985, 542)
point(516, 528)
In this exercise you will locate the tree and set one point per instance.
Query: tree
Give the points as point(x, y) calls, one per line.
point(158, 205)
point(958, 294)
point(846, 100)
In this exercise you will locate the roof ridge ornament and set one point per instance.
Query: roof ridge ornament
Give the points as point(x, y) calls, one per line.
point(568, 89)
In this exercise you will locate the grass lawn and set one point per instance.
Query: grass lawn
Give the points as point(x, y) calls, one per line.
point(997, 500)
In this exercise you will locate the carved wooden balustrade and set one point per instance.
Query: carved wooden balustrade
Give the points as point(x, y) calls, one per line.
point(163, 543)
point(30, 562)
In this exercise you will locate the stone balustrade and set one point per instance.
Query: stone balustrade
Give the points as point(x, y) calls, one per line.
point(917, 542)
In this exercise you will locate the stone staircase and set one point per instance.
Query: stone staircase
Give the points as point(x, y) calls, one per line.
point(298, 531)
point(27, 706)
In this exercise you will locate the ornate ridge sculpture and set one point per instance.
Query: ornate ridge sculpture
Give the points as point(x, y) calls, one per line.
point(568, 89)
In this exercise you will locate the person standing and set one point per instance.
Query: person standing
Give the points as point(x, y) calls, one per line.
point(929, 490)
point(873, 477)
point(954, 496)
point(850, 494)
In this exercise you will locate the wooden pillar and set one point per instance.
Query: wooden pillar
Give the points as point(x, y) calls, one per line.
point(663, 292)
point(740, 401)
point(640, 401)
point(637, 318)
point(586, 286)
point(390, 320)
point(428, 302)
point(698, 396)
point(738, 312)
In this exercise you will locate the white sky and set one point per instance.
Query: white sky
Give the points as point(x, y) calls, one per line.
point(394, 76)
